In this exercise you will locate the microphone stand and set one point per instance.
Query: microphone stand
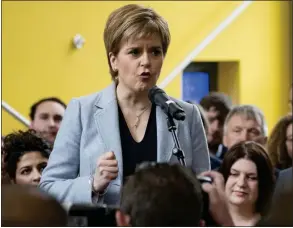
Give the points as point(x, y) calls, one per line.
point(177, 151)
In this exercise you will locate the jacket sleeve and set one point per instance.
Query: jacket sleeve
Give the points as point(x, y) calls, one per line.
point(200, 154)
point(61, 176)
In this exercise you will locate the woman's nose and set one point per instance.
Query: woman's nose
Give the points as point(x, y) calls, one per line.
point(36, 176)
point(145, 59)
point(241, 181)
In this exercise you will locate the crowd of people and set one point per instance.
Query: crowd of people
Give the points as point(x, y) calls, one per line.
point(114, 148)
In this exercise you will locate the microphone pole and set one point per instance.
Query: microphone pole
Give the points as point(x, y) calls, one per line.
point(177, 151)
point(173, 110)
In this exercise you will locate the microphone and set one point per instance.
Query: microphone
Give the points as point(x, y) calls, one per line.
point(158, 97)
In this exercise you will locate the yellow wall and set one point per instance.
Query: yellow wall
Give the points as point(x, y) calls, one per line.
point(228, 79)
point(260, 40)
point(38, 59)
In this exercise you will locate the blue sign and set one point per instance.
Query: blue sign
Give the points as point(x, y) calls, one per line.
point(195, 86)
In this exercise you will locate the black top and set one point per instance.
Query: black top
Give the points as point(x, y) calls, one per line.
point(134, 153)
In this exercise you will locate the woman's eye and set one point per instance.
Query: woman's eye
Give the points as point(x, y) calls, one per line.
point(25, 172)
point(134, 52)
point(42, 168)
point(156, 52)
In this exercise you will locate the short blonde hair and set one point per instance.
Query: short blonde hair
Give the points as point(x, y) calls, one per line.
point(133, 21)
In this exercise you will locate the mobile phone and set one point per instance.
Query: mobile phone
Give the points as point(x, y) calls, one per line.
point(206, 216)
point(204, 179)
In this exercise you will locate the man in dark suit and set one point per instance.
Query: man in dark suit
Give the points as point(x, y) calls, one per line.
point(281, 213)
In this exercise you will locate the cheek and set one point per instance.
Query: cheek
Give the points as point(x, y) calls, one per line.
point(254, 190)
point(157, 64)
point(235, 139)
point(231, 139)
point(228, 186)
point(39, 124)
point(127, 65)
point(21, 179)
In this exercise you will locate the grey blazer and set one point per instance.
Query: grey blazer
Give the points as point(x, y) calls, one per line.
point(90, 127)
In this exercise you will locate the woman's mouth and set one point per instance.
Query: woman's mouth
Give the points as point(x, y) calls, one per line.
point(145, 75)
point(240, 193)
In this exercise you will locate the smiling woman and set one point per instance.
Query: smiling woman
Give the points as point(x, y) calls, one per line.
point(249, 177)
point(104, 136)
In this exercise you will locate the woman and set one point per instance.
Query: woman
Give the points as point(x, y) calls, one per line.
point(280, 143)
point(249, 182)
point(105, 135)
point(4, 176)
point(25, 157)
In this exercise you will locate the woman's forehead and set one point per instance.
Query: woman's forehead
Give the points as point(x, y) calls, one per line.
point(150, 39)
point(244, 165)
point(30, 158)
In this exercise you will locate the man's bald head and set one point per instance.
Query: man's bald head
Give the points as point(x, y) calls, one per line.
point(29, 206)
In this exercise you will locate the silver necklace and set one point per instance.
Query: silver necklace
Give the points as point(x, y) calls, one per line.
point(138, 116)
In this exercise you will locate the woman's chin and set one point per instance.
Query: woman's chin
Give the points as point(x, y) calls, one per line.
point(237, 201)
point(142, 87)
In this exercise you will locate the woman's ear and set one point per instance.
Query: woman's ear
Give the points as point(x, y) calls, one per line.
point(113, 61)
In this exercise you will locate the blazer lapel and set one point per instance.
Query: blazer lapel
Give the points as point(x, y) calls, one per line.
point(165, 143)
point(107, 121)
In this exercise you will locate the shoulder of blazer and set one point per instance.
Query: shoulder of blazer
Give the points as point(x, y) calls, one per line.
point(191, 110)
point(187, 107)
point(100, 97)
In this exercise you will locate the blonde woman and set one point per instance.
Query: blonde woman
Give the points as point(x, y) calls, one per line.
point(104, 136)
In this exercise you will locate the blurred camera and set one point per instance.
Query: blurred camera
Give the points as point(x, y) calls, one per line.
point(92, 216)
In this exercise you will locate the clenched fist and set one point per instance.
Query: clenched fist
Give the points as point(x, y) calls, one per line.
point(106, 171)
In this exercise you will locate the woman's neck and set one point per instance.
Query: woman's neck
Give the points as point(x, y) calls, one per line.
point(243, 215)
point(129, 99)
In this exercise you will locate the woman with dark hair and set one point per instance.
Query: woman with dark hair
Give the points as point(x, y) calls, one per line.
point(4, 176)
point(25, 157)
point(249, 182)
point(280, 143)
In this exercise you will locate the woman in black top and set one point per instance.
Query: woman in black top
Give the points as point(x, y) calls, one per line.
point(104, 136)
